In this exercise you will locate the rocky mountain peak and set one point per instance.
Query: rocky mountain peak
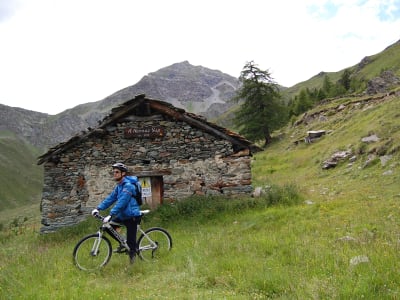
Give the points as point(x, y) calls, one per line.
point(194, 88)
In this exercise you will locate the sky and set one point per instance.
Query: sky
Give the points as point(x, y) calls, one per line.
point(56, 54)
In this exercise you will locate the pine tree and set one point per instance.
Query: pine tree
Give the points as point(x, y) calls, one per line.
point(261, 107)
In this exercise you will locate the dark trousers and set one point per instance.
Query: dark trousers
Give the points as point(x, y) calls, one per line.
point(131, 228)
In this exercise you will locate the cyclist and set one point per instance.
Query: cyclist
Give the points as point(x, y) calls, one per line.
point(126, 210)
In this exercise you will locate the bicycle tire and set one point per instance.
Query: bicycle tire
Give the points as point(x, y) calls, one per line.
point(83, 257)
point(152, 251)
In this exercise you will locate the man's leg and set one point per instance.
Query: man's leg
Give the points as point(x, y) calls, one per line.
point(120, 249)
point(131, 228)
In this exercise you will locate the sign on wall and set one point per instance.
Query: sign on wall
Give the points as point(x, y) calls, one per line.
point(146, 186)
point(145, 132)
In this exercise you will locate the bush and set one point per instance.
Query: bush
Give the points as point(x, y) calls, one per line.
point(203, 207)
point(285, 195)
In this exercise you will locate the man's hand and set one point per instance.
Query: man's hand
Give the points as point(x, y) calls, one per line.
point(107, 219)
point(95, 212)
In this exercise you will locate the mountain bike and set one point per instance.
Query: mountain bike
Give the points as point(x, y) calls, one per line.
point(94, 250)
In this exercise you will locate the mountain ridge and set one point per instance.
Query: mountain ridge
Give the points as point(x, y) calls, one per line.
point(194, 88)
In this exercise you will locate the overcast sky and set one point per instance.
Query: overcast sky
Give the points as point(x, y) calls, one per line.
point(56, 54)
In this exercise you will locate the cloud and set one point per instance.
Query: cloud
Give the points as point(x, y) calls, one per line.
point(8, 8)
point(56, 54)
point(389, 11)
point(324, 11)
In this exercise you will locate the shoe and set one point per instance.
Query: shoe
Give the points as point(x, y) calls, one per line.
point(120, 249)
point(132, 257)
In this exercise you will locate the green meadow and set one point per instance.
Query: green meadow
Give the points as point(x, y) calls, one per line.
point(313, 233)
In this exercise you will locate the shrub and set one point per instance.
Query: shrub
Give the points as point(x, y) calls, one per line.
point(282, 195)
point(203, 207)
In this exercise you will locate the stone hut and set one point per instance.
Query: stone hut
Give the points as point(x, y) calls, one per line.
point(174, 153)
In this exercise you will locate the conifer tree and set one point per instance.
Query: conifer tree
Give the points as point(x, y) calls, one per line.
point(261, 107)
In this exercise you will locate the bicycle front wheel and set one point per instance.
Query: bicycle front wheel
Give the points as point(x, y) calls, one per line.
point(92, 252)
point(154, 243)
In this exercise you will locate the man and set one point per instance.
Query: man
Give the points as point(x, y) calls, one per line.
point(126, 210)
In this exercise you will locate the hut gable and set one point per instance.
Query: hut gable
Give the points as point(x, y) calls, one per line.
point(174, 153)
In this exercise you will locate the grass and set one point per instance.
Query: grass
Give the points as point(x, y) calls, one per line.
point(257, 251)
point(314, 234)
point(21, 180)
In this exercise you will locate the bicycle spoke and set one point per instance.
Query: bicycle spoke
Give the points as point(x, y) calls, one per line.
point(155, 243)
point(92, 253)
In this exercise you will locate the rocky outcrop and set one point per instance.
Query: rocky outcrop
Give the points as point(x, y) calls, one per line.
point(382, 83)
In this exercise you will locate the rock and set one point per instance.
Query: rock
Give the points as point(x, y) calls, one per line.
point(358, 260)
point(257, 192)
point(328, 164)
point(335, 158)
point(384, 159)
point(369, 160)
point(382, 83)
point(370, 139)
point(388, 172)
point(347, 238)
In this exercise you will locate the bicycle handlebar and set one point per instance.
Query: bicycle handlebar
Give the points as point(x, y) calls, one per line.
point(100, 217)
point(144, 212)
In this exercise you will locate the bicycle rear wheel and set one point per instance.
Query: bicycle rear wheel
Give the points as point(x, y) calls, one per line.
point(92, 253)
point(155, 243)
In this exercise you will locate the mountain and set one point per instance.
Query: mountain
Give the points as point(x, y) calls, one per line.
point(21, 179)
point(194, 88)
point(371, 72)
point(25, 134)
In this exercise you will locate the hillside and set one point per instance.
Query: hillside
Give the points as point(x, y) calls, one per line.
point(195, 88)
point(21, 178)
point(366, 72)
point(362, 138)
point(340, 242)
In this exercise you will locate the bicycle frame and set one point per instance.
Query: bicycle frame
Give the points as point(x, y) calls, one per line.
point(94, 250)
point(153, 244)
point(107, 227)
point(120, 238)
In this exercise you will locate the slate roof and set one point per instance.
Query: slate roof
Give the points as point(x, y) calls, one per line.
point(165, 108)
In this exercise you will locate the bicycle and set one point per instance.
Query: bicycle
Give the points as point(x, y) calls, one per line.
point(94, 251)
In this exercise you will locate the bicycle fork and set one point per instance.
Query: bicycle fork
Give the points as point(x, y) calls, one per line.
point(96, 244)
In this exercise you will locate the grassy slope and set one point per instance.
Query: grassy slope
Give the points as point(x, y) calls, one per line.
point(388, 59)
point(280, 252)
point(301, 164)
point(21, 179)
point(296, 252)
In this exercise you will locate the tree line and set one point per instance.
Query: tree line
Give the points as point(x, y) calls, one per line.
point(262, 108)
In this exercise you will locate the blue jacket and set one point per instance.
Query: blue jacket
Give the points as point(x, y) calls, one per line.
point(124, 195)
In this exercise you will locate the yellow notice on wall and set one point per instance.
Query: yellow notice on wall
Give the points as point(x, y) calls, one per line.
point(146, 186)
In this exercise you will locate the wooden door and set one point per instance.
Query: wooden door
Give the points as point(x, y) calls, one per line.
point(152, 190)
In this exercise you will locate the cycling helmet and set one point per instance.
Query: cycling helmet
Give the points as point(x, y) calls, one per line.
point(120, 166)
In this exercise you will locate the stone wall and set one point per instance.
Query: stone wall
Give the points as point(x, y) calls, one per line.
point(194, 162)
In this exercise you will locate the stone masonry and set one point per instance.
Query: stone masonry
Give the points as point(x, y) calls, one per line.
point(193, 162)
